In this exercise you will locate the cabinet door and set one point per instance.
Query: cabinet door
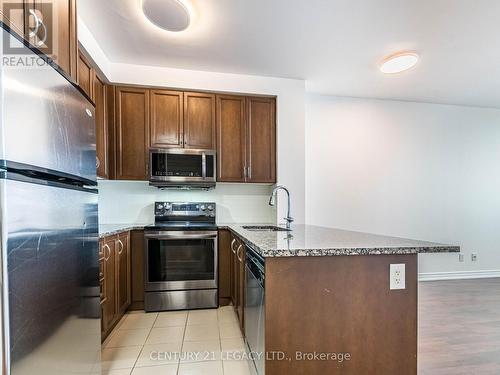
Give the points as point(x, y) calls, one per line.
point(55, 23)
point(241, 285)
point(65, 40)
point(234, 272)
point(109, 305)
point(137, 269)
point(13, 15)
point(167, 118)
point(101, 126)
point(231, 138)
point(224, 266)
point(132, 133)
point(85, 75)
point(123, 272)
point(261, 140)
point(199, 120)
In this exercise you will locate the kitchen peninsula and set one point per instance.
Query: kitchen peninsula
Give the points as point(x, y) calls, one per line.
point(327, 291)
point(328, 296)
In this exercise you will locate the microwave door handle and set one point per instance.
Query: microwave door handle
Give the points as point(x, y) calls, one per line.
point(204, 165)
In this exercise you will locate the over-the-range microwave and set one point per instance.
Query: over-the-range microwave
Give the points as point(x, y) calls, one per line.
point(182, 168)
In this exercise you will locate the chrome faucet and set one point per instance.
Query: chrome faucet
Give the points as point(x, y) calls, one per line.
point(272, 202)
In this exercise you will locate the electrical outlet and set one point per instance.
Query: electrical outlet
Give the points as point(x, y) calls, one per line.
point(461, 258)
point(473, 257)
point(398, 276)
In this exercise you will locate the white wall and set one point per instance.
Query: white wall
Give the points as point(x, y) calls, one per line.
point(132, 202)
point(414, 170)
point(290, 111)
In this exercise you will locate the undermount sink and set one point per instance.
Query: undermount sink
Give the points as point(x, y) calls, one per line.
point(265, 228)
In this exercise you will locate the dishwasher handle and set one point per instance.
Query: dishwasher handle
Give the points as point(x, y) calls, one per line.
point(256, 266)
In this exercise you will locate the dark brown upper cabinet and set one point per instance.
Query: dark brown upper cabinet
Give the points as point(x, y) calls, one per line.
point(241, 128)
point(167, 118)
point(261, 139)
point(92, 83)
point(85, 75)
point(51, 26)
point(246, 139)
point(199, 121)
point(101, 127)
point(231, 138)
point(13, 14)
point(131, 133)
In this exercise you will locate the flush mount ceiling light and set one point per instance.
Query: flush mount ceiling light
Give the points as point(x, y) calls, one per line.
point(170, 15)
point(399, 62)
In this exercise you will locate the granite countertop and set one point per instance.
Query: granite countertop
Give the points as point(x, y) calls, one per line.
point(308, 240)
point(111, 229)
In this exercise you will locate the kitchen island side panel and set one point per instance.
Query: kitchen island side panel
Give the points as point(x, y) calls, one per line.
point(340, 306)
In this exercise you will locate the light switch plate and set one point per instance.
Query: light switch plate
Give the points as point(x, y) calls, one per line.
point(397, 276)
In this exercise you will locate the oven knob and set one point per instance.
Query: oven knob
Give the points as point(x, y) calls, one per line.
point(203, 207)
point(210, 208)
point(168, 206)
point(160, 206)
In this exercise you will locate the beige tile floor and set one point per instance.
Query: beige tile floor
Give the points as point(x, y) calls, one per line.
point(197, 342)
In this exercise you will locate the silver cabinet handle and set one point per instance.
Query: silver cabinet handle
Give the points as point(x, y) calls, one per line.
point(97, 162)
point(121, 247)
point(34, 33)
point(106, 258)
point(232, 245)
point(238, 253)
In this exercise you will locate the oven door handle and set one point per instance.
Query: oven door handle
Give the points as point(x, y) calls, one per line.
point(179, 236)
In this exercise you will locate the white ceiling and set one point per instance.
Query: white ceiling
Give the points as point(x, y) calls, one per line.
point(335, 45)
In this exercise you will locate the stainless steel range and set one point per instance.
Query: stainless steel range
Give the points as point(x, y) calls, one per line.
point(181, 257)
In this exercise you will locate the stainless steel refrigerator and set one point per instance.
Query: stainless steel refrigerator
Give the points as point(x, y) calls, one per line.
point(49, 229)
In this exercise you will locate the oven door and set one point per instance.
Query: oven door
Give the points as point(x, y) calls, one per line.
point(180, 260)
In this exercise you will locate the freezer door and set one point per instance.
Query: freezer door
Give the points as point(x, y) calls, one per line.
point(50, 279)
point(46, 122)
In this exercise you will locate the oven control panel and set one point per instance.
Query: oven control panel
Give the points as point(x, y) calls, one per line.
point(163, 209)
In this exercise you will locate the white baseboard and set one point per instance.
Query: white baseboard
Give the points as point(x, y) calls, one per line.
point(460, 275)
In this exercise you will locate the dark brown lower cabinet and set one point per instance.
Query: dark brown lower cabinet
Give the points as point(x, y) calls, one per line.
point(224, 267)
point(240, 308)
point(137, 269)
point(108, 285)
point(237, 275)
point(114, 276)
point(123, 272)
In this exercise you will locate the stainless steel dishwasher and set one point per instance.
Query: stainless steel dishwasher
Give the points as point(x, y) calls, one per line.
point(254, 308)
